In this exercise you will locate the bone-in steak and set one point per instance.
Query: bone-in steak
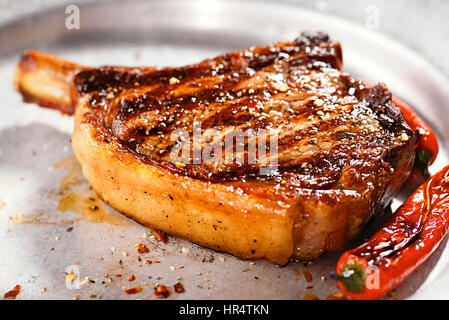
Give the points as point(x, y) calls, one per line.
point(343, 150)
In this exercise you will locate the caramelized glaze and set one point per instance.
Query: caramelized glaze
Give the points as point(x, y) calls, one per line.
point(334, 132)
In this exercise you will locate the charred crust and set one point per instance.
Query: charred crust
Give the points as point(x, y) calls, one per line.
point(312, 38)
point(378, 98)
point(143, 108)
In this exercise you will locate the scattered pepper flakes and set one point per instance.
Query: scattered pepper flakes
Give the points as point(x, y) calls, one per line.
point(132, 278)
point(12, 294)
point(161, 291)
point(179, 288)
point(152, 261)
point(162, 236)
point(118, 275)
point(133, 290)
point(142, 248)
point(22, 179)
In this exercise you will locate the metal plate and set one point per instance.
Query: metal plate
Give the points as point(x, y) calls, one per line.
point(39, 242)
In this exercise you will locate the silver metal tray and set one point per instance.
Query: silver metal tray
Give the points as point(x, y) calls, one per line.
point(46, 228)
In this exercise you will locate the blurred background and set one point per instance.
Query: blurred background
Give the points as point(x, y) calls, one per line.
point(422, 25)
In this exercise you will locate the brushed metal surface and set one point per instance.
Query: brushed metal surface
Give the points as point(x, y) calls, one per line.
point(32, 140)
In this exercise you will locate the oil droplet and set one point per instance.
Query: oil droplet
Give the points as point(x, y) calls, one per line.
point(85, 203)
point(40, 219)
point(307, 275)
point(91, 209)
point(310, 296)
point(75, 195)
point(74, 177)
point(337, 296)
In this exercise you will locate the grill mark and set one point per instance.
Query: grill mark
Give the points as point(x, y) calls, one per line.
point(328, 159)
point(256, 58)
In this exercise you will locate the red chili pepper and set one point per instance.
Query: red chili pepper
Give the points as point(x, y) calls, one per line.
point(426, 147)
point(404, 242)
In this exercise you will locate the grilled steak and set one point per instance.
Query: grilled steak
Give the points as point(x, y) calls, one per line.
point(342, 150)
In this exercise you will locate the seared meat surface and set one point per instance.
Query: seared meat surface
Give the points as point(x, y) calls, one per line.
point(343, 150)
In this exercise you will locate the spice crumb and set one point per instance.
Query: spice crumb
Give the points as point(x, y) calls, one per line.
point(162, 236)
point(142, 248)
point(133, 290)
point(404, 137)
point(173, 80)
point(70, 277)
point(161, 291)
point(319, 102)
point(179, 288)
point(12, 294)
